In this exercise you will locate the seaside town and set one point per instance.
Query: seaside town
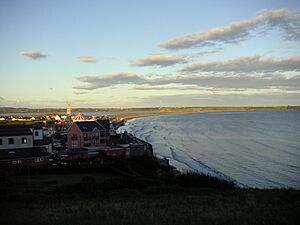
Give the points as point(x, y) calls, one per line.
point(63, 140)
point(150, 112)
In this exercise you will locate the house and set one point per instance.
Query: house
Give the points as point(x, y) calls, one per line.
point(27, 157)
point(48, 131)
point(78, 117)
point(137, 146)
point(57, 118)
point(12, 137)
point(88, 134)
point(17, 147)
point(37, 133)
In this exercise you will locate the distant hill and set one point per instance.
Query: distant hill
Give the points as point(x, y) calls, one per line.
point(6, 110)
point(50, 110)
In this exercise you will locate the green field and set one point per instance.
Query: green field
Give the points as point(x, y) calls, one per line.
point(109, 198)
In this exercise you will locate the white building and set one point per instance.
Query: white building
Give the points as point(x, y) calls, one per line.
point(15, 137)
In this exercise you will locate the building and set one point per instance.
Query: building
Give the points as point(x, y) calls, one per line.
point(137, 146)
point(38, 134)
point(18, 146)
point(78, 117)
point(12, 137)
point(69, 109)
point(27, 157)
point(57, 117)
point(88, 134)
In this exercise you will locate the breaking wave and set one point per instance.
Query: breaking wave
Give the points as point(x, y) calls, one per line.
point(254, 149)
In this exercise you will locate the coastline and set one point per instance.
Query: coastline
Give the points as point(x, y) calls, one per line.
point(148, 132)
point(190, 110)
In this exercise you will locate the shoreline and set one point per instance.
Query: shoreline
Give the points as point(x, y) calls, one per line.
point(187, 110)
point(136, 111)
point(123, 118)
point(237, 183)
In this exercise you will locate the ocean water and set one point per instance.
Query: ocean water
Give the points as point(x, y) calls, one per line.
point(255, 149)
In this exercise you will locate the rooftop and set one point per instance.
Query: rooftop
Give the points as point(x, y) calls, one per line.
point(6, 130)
point(89, 126)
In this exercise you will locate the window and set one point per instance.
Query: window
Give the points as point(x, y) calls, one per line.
point(36, 133)
point(102, 141)
point(74, 144)
point(39, 159)
point(24, 140)
point(11, 141)
point(86, 143)
point(16, 161)
point(0, 141)
point(74, 138)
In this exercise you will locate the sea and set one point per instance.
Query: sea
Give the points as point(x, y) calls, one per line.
point(258, 149)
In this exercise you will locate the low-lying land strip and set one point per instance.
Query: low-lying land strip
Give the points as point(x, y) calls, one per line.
point(185, 110)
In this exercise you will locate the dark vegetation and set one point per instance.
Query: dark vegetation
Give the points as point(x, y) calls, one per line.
point(139, 191)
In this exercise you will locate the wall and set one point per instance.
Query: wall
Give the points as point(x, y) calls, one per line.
point(39, 133)
point(30, 162)
point(74, 131)
point(17, 142)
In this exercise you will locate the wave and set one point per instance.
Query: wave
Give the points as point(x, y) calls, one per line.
point(234, 148)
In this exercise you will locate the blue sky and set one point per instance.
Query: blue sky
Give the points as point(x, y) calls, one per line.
point(149, 53)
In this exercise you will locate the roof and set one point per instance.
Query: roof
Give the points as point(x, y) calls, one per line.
point(89, 126)
point(78, 117)
point(104, 123)
point(6, 130)
point(22, 153)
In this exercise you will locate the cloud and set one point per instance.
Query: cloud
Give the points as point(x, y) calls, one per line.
point(87, 59)
point(220, 100)
point(229, 81)
point(165, 87)
point(191, 82)
point(80, 92)
point(236, 32)
point(209, 52)
point(94, 82)
point(256, 63)
point(33, 54)
point(159, 60)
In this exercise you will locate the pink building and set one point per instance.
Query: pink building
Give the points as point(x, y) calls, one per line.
point(88, 134)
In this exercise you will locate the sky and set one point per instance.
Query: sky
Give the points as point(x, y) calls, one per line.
point(139, 53)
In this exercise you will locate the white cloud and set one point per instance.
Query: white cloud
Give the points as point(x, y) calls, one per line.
point(196, 80)
point(94, 82)
point(286, 19)
point(87, 59)
point(159, 60)
point(80, 92)
point(256, 63)
point(33, 54)
point(215, 99)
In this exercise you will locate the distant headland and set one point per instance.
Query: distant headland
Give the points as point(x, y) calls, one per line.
point(130, 113)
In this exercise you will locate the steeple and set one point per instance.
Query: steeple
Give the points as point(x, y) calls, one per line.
point(69, 109)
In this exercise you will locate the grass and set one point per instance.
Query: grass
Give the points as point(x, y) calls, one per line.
point(108, 198)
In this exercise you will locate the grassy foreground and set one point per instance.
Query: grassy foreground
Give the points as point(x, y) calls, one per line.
point(110, 198)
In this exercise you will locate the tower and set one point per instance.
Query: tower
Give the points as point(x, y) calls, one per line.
point(69, 109)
